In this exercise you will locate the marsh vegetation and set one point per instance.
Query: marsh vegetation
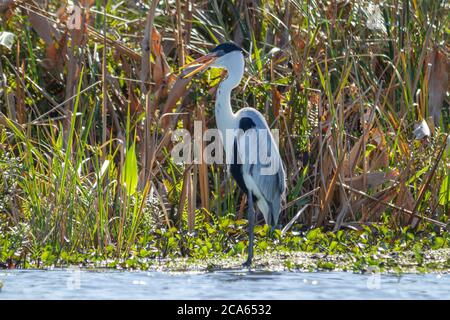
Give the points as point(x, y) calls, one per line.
point(90, 93)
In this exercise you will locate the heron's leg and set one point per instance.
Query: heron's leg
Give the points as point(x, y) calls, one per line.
point(272, 230)
point(251, 223)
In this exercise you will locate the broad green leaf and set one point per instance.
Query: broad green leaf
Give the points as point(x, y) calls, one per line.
point(333, 245)
point(444, 192)
point(438, 243)
point(313, 234)
point(130, 170)
point(214, 76)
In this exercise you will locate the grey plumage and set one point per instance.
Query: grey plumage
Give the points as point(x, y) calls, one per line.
point(272, 186)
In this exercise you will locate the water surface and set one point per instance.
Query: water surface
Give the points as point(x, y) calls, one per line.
point(232, 284)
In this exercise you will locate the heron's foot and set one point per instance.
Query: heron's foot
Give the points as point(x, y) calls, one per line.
point(248, 263)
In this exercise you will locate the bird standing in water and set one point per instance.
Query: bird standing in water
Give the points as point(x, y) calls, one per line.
point(263, 181)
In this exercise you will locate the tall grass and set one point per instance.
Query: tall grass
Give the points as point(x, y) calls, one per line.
point(86, 119)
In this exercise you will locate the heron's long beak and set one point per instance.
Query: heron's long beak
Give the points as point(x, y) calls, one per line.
point(200, 64)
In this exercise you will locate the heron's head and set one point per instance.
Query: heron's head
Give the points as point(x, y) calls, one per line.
point(226, 55)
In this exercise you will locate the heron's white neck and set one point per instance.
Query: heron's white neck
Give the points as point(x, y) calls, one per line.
point(225, 118)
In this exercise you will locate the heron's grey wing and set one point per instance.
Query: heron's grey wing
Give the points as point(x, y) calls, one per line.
point(268, 172)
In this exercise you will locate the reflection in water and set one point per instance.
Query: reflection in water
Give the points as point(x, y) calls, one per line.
point(223, 284)
point(243, 275)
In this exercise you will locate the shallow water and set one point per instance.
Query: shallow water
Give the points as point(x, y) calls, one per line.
point(233, 284)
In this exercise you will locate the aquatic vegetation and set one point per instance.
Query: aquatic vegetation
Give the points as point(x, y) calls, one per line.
point(88, 103)
point(222, 244)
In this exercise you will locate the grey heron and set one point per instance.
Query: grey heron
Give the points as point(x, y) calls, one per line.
point(263, 182)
